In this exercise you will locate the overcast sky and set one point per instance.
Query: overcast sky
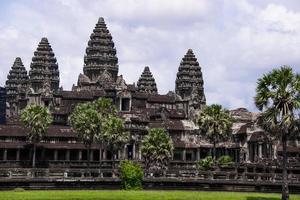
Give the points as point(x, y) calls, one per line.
point(235, 41)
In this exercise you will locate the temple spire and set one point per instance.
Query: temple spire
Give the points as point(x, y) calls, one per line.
point(44, 67)
point(146, 82)
point(16, 79)
point(100, 54)
point(189, 81)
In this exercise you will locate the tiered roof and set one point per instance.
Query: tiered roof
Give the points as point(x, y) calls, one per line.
point(44, 68)
point(16, 79)
point(189, 81)
point(146, 82)
point(100, 55)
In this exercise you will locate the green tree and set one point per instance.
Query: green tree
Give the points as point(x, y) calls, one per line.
point(157, 149)
point(216, 123)
point(131, 175)
point(37, 119)
point(278, 96)
point(114, 135)
point(86, 122)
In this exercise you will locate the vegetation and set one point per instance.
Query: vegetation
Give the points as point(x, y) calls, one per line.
point(224, 160)
point(278, 96)
point(37, 119)
point(205, 163)
point(131, 175)
point(216, 123)
point(136, 195)
point(114, 135)
point(157, 148)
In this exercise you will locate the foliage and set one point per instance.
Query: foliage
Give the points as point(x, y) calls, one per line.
point(131, 175)
point(278, 96)
point(205, 163)
point(224, 160)
point(37, 119)
point(157, 148)
point(216, 123)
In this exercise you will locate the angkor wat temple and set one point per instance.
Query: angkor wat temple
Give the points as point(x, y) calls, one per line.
point(139, 104)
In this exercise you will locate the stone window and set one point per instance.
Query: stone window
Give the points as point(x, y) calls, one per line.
point(125, 104)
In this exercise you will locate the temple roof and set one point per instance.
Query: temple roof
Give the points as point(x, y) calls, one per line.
point(100, 54)
point(189, 81)
point(44, 67)
point(146, 82)
point(16, 78)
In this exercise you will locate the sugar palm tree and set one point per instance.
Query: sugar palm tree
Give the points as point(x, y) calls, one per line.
point(278, 96)
point(215, 122)
point(86, 122)
point(157, 149)
point(37, 119)
point(114, 135)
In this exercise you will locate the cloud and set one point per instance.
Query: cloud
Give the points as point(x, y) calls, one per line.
point(235, 41)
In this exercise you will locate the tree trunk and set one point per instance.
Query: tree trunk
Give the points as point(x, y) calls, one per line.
point(214, 151)
point(100, 158)
point(113, 163)
point(285, 187)
point(33, 156)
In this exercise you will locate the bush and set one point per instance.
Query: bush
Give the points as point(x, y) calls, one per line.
point(205, 164)
point(131, 175)
point(225, 160)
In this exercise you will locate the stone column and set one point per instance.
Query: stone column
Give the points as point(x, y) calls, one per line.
point(55, 154)
point(133, 152)
point(124, 152)
point(5, 154)
point(104, 154)
point(198, 154)
point(100, 154)
point(18, 155)
point(79, 155)
point(68, 154)
point(184, 154)
point(92, 155)
point(140, 153)
point(260, 150)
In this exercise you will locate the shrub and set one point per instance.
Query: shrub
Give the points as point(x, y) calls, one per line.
point(131, 175)
point(225, 160)
point(205, 164)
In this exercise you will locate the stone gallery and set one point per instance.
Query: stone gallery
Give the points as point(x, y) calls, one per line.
point(141, 107)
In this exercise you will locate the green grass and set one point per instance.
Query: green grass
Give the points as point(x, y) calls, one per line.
point(136, 195)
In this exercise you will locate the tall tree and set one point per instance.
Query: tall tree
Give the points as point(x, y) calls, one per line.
point(114, 135)
point(157, 149)
point(37, 119)
point(278, 96)
point(86, 122)
point(216, 123)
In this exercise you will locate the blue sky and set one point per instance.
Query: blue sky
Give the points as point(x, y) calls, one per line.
point(235, 41)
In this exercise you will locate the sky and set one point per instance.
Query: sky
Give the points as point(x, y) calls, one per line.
point(235, 41)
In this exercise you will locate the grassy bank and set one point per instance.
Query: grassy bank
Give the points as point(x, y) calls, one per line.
point(136, 195)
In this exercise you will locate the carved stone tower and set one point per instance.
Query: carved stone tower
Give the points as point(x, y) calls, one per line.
point(44, 68)
point(100, 55)
point(189, 81)
point(16, 82)
point(146, 82)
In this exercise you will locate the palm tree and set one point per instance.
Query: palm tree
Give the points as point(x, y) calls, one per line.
point(278, 96)
point(114, 135)
point(37, 119)
point(157, 149)
point(86, 122)
point(216, 123)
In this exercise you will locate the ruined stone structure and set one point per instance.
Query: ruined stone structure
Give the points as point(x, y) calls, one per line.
point(2, 105)
point(141, 107)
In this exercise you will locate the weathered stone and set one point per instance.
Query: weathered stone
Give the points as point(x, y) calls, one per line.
point(146, 82)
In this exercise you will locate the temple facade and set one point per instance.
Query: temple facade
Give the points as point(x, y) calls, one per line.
point(140, 106)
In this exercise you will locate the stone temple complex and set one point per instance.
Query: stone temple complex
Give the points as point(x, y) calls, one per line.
point(140, 105)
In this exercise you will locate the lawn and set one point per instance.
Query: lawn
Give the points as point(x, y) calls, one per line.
point(136, 195)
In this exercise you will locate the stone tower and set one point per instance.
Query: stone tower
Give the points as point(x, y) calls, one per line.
point(100, 60)
point(44, 68)
point(17, 80)
point(189, 81)
point(146, 82)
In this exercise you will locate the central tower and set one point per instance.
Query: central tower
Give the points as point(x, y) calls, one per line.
point(100, 57)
